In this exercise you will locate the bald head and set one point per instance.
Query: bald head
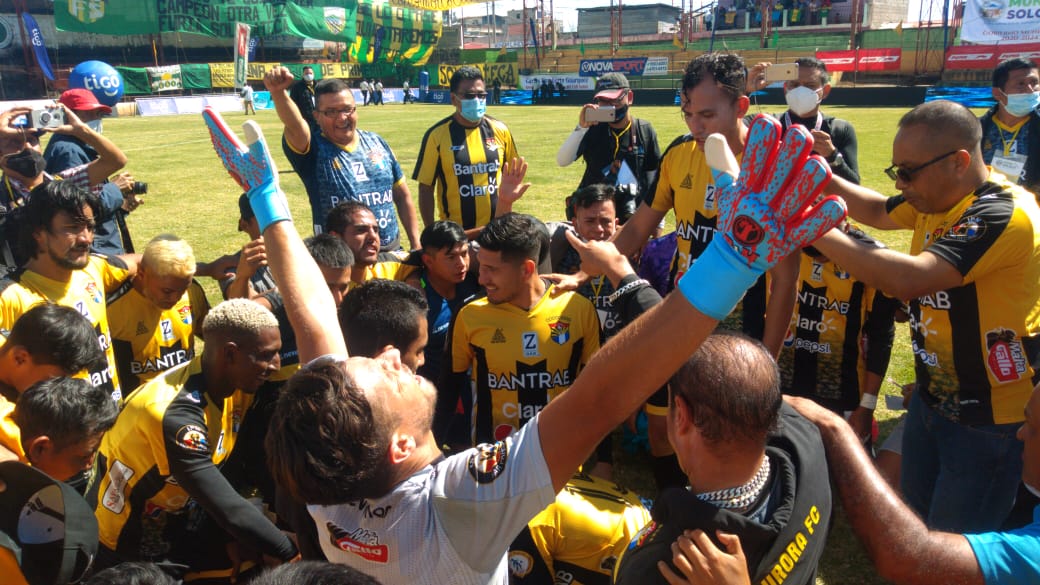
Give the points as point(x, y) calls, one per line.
point(951, 124)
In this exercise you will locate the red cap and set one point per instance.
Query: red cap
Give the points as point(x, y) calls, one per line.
point(83, 100)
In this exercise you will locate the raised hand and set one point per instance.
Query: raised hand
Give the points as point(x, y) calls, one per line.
point(765, 214)
point(512, 187)
point(251, 166)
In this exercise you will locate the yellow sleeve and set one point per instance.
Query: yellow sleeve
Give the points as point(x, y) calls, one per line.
point(461, 354)
point(903, 213)
point(590, 329)
point(199, 306)
point(429, 158)
point(663, 195)
point(112, 276)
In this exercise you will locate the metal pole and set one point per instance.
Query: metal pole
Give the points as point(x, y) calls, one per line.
point(620, 24)
point(523, 32)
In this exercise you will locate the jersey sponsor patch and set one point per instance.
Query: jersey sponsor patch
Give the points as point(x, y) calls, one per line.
point(488, 462)
point(520, 563)
point(1006, 359)
point(119, 475)
point(363, 543)
point(968, 229)
point(166, 326)
point(529, 339)
point(498, 337)
point(193, 438)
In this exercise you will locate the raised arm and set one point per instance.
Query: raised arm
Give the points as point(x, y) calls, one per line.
point(897, 541)
point(761, 220)
point(865, 205)
point(308, 302)
point(110, 159)
point(297, 130)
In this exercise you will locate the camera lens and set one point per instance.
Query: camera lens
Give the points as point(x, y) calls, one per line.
point(45, 117)
point(140, 188)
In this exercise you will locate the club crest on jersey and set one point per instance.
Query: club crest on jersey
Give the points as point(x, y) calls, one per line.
point(644, 536)
point(193, 438)
point(94, 292)
point(968, 229)
point(488, 462)
point(520, 563)
point(560, 330)
point(491, 144)
point(185, 314)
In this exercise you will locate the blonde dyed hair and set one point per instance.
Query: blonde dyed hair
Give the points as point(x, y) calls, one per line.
point(237, 318)
point(168, 255)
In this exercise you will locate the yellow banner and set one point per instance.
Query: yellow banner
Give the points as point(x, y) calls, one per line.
point(257, 71)
point(222, 74)
point(341, 70)
point(505, 73)
point(436, 4)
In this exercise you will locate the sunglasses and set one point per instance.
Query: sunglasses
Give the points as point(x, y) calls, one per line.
point(898, 173)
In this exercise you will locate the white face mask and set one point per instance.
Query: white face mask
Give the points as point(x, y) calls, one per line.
point(95, 125)
point(308, 77)
point(802, 100)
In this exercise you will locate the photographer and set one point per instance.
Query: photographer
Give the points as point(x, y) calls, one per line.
point(118, 197)
point(22, 165)
point(621, 152)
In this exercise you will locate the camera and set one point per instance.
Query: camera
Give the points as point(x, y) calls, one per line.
point(139, 188)
point(47, 118)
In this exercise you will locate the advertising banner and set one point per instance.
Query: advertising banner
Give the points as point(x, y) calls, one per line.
point(989, 56)
point(632, 66)
point(1001, 21)
point(656, 66)
point(241, 53)
point(504, 73)
point(570, 82)
point(862, 59)
point(39, 50)
point(167, 78)
point(222, 74)
point(340, 70)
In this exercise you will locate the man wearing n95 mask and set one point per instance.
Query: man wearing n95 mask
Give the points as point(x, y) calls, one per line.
point(1011, 128)
point(835, 139)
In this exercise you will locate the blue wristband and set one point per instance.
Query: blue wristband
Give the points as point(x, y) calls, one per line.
point(269, 205)
point(717, 280)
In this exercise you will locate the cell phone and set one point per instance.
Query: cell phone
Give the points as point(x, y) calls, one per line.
point(600, 114)
point(47, 118)
point(782, 72)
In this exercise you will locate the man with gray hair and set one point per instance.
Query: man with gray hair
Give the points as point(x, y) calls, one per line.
point(158, 469)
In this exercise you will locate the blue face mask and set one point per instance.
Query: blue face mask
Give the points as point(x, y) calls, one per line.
point(1021, 104)
point(474, 109)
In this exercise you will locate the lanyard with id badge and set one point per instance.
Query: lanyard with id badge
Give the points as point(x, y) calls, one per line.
point(1009, 162)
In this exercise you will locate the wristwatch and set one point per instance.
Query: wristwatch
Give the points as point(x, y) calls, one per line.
point(837, 159)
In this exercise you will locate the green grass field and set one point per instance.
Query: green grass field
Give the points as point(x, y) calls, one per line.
point(192, 196)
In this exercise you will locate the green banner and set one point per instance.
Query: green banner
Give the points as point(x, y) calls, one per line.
point(196, 76)
point(135, 80)
point(322, 19)
point(392, 34)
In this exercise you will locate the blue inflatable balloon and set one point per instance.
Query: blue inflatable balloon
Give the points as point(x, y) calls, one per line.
point(100, 78)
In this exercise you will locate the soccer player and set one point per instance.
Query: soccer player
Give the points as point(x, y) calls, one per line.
point(462, 156)
point(972, 278)
point(383, 314)
point(356, 225)
point(158, 470)
point(58, 230)
point(155, 316)
point(56, 426)
point(713, 100)
point(521, 345)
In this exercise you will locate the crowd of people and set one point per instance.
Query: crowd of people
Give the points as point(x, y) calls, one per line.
point(360, 409)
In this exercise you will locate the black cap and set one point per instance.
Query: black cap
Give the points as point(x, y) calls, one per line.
point(611, 86)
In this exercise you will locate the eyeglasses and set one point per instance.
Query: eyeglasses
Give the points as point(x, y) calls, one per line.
point(338, 113)
point(898, 173)
point(473, 96)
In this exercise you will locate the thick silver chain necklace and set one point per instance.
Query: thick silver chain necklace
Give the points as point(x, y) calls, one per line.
point(741, 497)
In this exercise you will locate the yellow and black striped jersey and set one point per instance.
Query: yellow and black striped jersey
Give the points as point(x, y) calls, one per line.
point(465, 166)
point(974, 345)
point(85, 291)
point(148, 340)
point(521, 359)
point(685, 185)
point(578, 538)
point(840, 330)
point(389, 266)
point(168, 426)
